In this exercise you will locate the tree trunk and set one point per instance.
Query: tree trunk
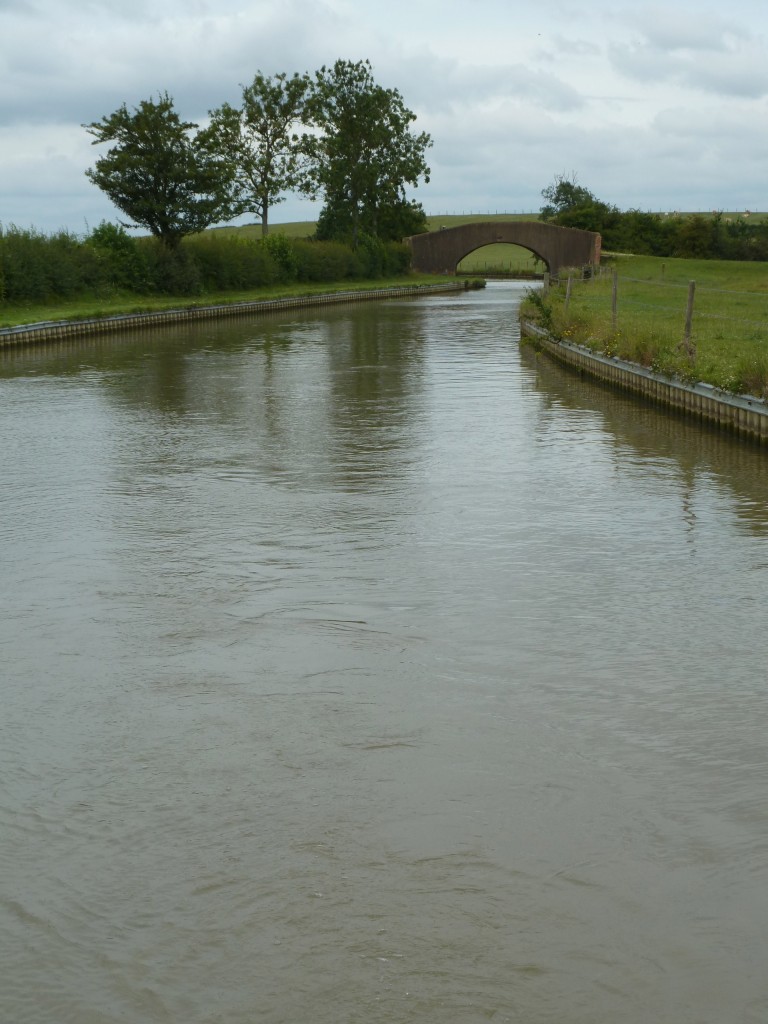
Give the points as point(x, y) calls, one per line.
point(355, 219)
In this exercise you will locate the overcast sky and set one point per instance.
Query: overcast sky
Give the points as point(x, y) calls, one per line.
point(654, 106)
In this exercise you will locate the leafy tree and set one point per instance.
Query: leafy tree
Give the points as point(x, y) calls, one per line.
point(364, 153)
point(563, 195)
point(158, 174)
point(572, 206)
point(261, 142)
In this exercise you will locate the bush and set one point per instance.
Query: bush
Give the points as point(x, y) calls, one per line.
point(324, 261)
point(25, 265)
point(171, 271)
point(231, 263)
point(283, 253)
point(120, 259)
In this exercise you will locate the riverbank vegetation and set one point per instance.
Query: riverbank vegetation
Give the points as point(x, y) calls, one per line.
point(728, 342)
point(109, 269)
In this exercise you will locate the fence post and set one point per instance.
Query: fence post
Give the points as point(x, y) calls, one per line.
point(688, 346)
point(568, 287)
point(614, 299)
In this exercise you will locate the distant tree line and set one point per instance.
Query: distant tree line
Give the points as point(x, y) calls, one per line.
point(336, 136)
point(689, 236)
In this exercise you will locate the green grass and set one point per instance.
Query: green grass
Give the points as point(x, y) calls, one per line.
point(89, 307)
point(503, 258)
point(729, 339)
point(296, 229)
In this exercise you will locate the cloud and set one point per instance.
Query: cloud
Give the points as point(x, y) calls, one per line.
point(77, 70)
point(675, 29)
point(706, 53)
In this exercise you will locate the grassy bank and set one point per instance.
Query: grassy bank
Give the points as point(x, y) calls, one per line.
point(86, 308)
point(728, 345)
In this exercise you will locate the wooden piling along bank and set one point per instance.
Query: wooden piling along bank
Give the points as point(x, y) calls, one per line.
point(740, 414)
point(60, 329)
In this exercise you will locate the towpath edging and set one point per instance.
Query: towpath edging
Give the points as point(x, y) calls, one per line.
point(741, 414)
point(55, 330)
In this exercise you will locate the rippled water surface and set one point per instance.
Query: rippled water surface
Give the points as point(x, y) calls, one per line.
point(360, 667)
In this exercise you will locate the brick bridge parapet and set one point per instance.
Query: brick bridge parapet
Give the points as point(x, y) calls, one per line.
point(440, 252)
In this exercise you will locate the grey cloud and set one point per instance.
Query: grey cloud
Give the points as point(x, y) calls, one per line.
point(710, 53)
point(201, 60)
point(670, 30)
point(575, 47)
point(439, 84)
point(740, 73)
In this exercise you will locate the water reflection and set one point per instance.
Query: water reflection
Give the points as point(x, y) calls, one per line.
point(646, 437)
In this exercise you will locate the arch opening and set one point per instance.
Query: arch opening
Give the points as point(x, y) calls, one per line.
point(502, 259)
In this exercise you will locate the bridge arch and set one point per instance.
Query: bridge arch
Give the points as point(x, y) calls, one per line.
point(440, 252)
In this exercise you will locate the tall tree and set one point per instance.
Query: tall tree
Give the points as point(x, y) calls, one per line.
point(364, 153)
point(261, 141)
point(158, 173)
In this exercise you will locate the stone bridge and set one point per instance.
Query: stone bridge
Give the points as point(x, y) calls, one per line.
point(440, 252)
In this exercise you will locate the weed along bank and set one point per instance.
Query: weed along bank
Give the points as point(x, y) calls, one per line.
point(743, 414)
point(647, 327)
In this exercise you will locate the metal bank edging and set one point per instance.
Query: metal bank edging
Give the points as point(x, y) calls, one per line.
point(742, 414)
point(53, 330)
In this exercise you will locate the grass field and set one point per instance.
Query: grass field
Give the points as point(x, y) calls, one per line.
point(729, 338)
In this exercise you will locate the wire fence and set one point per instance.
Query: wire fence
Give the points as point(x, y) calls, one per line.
point(694, 305)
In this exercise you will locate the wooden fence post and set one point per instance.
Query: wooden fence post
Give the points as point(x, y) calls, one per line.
point(614, 299)
point(568, 287)
point(688, 347)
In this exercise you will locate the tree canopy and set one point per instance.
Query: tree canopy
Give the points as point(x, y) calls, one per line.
point(158, 173)
point(363, 153)
point(261, 141)
point(574, 206)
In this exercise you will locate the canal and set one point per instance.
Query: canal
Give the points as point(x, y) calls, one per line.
point(362, 667)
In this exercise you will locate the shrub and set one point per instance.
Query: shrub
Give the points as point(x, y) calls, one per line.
point(283, 253)
point(323, 261)
point(171, 271)
point(120, 260)
point(230, 262)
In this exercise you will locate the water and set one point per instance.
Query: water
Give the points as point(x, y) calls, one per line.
point(360, 666)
